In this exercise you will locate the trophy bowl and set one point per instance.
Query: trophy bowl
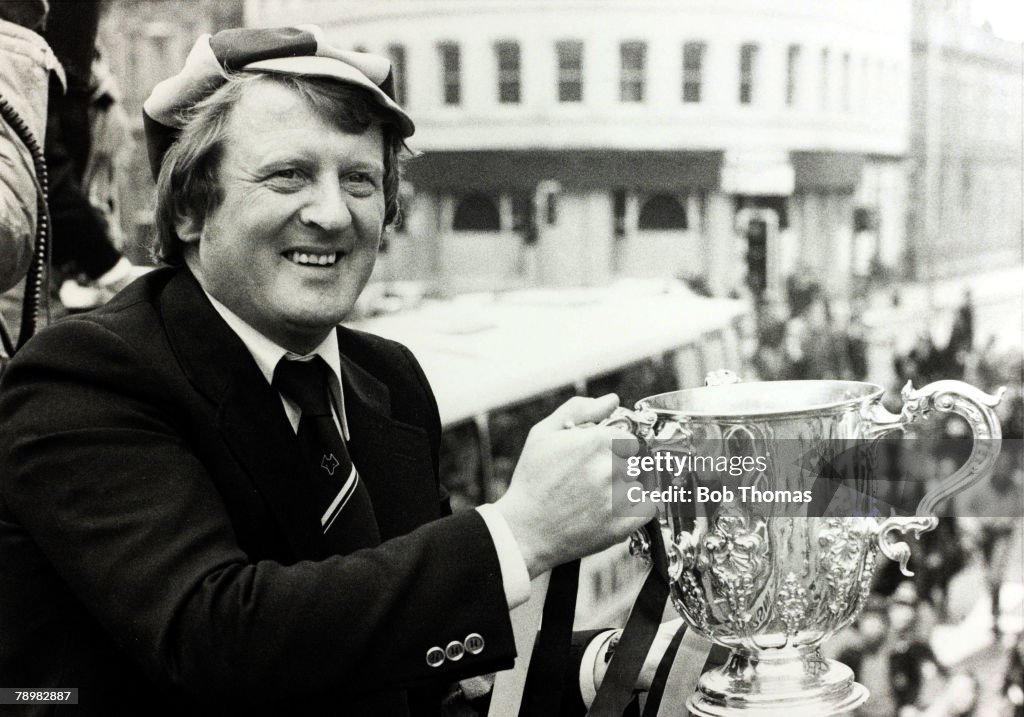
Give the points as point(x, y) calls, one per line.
point(773, 581)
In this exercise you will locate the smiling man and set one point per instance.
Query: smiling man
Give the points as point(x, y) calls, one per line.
point(215, 499)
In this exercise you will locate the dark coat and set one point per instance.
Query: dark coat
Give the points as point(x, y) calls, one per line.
point(156, 553)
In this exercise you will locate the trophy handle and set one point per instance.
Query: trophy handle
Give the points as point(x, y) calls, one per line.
point(897, 549)
point(640, 423)
point(974, 406)
point(646, 425)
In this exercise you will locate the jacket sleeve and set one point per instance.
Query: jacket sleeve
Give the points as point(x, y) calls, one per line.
point(17, 209)
point(96, 467)
point(27, 61)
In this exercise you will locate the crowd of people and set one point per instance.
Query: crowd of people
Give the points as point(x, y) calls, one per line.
point(890, 649)
point(798, 335)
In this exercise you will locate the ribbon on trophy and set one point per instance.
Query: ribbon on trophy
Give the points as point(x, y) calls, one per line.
point(541, 668)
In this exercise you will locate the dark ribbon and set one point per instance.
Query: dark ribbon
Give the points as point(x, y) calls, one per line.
point(616, 691)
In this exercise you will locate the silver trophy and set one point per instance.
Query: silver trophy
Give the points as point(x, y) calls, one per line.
point(768, 584)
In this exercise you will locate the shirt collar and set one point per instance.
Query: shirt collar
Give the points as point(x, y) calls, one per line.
point(267, 354)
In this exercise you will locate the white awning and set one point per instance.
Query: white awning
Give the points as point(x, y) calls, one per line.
point(482, 352)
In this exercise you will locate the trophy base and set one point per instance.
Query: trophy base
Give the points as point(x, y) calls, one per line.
point(795, 682)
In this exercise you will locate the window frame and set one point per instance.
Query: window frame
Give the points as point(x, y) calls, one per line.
point(693, 73)
point(632, 75)
point(749, 53)
point(450, 56)
point(568, 75)
point(509, 75)
point(794, 62)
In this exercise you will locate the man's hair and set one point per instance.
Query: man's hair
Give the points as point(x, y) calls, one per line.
point(188, 181)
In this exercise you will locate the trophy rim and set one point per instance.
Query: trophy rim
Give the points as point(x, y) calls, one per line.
point(866, 392)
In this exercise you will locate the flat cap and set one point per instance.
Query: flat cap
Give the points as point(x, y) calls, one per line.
point(299, 50)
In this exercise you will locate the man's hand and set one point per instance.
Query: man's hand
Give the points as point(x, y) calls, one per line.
point(559, 504)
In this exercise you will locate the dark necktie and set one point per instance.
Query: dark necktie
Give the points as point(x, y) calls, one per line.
point(342, 501)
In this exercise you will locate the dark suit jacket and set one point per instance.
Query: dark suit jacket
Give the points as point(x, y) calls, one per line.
point(156, 553)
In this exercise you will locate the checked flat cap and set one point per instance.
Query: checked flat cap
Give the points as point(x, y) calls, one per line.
point(299, 50)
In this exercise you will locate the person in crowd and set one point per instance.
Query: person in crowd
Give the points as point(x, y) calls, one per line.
point(912, 664)
point(961, 336)
point(992, 518)
point(1012, 688)
point(84, 127)
point(801, 288)
point(815, 349)
point(856, 343)
point(958, 698)
point(921, 364)
point(942, 557)
point(868, 657)
point(889, 657)
point(216, 499)
point(769, 359)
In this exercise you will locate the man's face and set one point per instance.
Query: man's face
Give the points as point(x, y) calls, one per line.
point(295, 237)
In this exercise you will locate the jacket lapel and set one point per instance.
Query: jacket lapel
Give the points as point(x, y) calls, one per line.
point(250, 416)
point(393, 458)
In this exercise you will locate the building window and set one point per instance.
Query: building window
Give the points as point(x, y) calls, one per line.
point(476, 213)
point(792, 74)
point(823, 89)
point(845, 80)
point(508, 72)
point(633, 61)
point(570, 71)
point(397, 55)
point(662, 211)
point(748, 70)
point(451, 73)
point(693, 69)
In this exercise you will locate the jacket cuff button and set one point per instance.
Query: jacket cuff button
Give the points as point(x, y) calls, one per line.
point(435, 657)
point(454, 651)
point(474, 643)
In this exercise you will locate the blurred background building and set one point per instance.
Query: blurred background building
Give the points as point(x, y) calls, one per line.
point(965, 143)
point(569, 143)
point(732, 144)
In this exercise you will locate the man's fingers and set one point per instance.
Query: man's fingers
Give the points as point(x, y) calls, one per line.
point(579, 410)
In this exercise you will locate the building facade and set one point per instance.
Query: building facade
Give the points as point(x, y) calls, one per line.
point(568, 143)
point(966, 144)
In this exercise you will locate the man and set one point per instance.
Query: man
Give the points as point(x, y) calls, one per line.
point(170, 541)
